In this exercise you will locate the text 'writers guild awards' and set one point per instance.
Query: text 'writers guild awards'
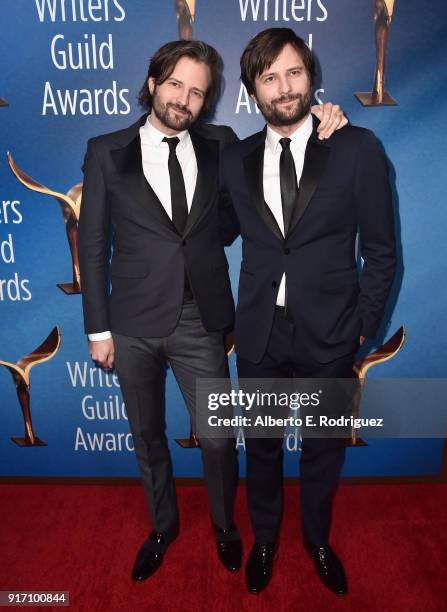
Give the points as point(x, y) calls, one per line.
point(383, 13)
point(70, 204)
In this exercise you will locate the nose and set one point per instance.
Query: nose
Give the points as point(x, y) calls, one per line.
point(284, 85)
point(183, 97)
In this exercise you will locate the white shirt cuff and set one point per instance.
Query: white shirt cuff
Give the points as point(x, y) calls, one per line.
point(100, 336)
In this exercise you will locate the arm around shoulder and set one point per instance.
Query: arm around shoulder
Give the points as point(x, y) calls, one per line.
point(229, 227)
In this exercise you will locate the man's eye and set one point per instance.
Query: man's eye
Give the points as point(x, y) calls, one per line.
point(268, 79)
point(173, 83)
point(198, 94)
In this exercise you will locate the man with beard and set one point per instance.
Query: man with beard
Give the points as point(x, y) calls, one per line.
point(152, 190)
point(302, 309)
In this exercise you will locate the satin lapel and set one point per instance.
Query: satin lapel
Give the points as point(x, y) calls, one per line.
point(254, 174)
point(129, 164)
point(207, 156)
point(315, 160)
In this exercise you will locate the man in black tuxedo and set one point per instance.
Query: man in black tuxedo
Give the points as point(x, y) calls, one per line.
point(152, 189)
point(303, 309)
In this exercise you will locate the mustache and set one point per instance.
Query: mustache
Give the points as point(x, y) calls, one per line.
point(289, 98)
point(178, 107)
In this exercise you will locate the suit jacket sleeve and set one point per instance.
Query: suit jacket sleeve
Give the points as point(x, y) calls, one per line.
point(376, 230)
point(229, 226)
point(93, 244)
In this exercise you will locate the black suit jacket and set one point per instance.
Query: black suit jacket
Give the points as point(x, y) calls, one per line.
point(149, 256)
point(344, 188)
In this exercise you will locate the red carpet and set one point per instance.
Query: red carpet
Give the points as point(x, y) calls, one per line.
point(83, 539)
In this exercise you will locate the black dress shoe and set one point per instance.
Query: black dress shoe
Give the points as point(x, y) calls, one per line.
point(258, 570)
point(229, 548)
point(149, 557)
point(329, 569)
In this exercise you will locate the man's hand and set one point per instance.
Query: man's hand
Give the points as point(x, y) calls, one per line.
point(331, 118)
point(102, 352)
point(362, 340)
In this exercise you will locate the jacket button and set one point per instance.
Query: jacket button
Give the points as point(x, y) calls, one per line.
point(286, 251)
point(184, 242)
point(274, 284)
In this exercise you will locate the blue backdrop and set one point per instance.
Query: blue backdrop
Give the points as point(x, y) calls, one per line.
point(56, 101)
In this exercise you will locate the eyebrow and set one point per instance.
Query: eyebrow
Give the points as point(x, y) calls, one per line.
point(181, 83)
point(266, 74)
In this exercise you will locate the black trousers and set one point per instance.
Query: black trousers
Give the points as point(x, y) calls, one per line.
point(141, 365)
point(321, 459)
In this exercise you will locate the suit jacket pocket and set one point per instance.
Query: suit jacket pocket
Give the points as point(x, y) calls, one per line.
point(129, 269)
point(339, 278)
point(330, 191)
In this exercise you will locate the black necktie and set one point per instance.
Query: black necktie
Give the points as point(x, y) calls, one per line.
point(178, 191)
point(287, 181)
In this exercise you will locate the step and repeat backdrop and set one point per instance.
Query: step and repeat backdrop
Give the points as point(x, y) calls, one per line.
point(71, 69)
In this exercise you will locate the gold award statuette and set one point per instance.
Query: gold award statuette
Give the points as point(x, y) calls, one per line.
point(191, 442)
point(383, 13)
point(70, 204)
point(3, 102)
point(185, 12)
point(386, 352)
point(20, 373)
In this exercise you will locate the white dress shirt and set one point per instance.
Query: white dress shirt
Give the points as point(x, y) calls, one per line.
point(272, 188)
point(155, 154)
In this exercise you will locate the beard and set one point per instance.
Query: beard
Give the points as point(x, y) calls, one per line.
point(280, 117)
point(166, 115)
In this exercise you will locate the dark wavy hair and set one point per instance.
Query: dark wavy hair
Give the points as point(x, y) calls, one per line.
point(163, 62)
point(263, 50)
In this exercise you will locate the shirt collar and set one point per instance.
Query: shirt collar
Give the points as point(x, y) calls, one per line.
point(299, 137)
point(151, 135)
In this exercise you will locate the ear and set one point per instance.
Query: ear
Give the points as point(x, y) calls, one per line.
point(151, 85)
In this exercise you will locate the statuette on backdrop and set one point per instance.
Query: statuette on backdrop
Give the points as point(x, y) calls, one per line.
point(191, 442)
point(386, 352)
point(70, 204)
point(383, 14)
point(3, 102)
point(20, 372)
point(185, 12)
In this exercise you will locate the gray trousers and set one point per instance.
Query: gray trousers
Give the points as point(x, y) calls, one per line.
point(141, 365)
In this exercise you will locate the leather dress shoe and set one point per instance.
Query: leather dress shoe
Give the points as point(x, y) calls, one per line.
point(329, 568)
point(149, 557)
point(229, 548)
point(259, 568)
